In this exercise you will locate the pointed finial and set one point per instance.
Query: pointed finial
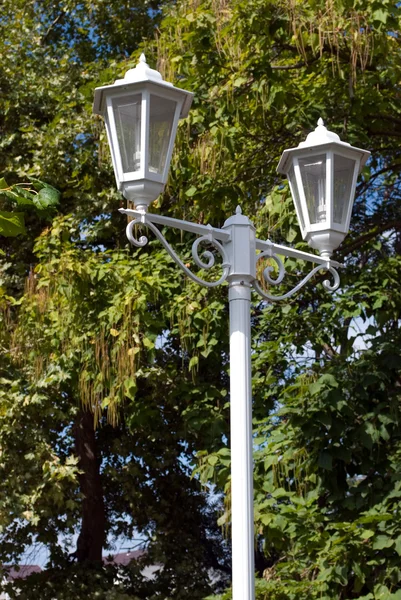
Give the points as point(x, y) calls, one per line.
point(321, 135)
point(142, 72)
point(238, 210)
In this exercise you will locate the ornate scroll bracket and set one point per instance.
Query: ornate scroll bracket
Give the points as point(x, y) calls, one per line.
point(207, 261)
point(270, 253)
point(219, 240)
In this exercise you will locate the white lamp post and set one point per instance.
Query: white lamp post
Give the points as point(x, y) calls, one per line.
point(141, 114)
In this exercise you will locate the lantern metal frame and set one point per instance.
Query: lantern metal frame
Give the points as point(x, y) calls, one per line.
point(142, 184)
point(327, 234)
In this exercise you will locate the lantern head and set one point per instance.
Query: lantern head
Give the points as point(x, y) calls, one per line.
point(141, 114)
point(322, 172)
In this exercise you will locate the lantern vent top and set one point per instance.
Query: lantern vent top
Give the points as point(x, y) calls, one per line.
point(321, 135)
point(142, 72)
point(136, 80)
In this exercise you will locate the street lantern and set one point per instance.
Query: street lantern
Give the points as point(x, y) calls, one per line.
point(322, 172)
point(141, 114)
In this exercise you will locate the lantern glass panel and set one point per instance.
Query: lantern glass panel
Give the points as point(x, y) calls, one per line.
point(343, 177)
point(295, 195)
point(161, 118)
point(127, 116)
point(313, 173)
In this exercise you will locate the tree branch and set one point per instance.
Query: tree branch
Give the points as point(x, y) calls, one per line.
point(59, 17)
point(296, 66)
point(368, 236)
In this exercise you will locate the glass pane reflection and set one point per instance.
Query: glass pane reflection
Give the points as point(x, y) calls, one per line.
point(313, 173)
point(343, 175)
point(161, 119)
point(127, 116)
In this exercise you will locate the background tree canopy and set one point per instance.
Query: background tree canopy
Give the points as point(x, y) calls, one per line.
point(94, 333)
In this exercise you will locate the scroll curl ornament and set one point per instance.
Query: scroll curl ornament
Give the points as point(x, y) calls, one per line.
point(206, 262)
point(143, 240)
point(270, 269)
point(332, 287)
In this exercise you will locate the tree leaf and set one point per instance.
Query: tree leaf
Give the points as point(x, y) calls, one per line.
point(11, 223)
point(325, 461)
point(191, 191)
point(47, 197)
point(382, 541)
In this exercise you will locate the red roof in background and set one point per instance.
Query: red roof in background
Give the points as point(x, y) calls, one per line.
point(21, 572)
point(123, 558)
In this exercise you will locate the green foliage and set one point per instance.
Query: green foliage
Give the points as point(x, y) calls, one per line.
point(106, 583)
point(87, 322)
point(11, 223)
point(79, 326)
point(326, 396)
point(41, 196)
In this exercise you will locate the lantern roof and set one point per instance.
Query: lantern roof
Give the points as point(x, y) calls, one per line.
point(141, 74)
point(321, 136)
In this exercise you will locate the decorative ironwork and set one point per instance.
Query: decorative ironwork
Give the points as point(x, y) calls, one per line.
point(208, 257)
point(205, 259)
point(270, 269)
point(281, 273)
point(143, 240)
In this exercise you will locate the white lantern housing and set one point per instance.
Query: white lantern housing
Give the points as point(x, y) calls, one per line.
point(322, 172)
point(141, 114)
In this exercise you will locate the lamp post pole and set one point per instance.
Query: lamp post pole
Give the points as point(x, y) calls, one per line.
point(141, 113)
point(242, 527)
point(241, 255)
point(240, 251)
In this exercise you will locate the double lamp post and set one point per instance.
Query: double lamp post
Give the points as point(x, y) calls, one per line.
point(141, 114)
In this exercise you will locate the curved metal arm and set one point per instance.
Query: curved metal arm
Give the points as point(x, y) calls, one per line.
point(210, 234)
point(266, 276)
point(207, 263)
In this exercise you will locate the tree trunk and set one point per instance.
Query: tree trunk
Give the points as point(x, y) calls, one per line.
point(92, 536)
